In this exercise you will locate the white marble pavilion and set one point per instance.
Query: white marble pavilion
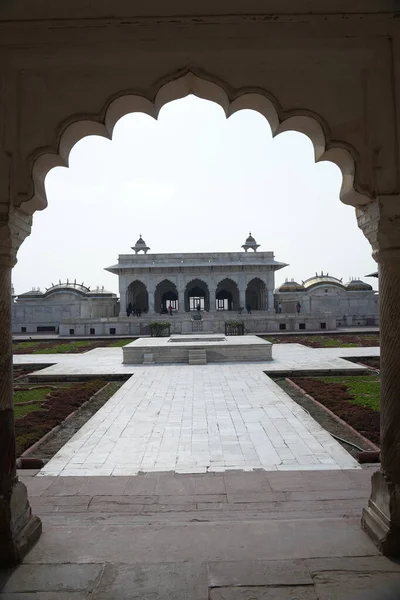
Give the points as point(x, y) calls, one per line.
point(215, 281)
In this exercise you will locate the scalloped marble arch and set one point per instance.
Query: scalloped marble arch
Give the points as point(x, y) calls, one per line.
point(194, 281)
point(165, 280)
point(258, 279)
point(235, 283)
point(137, 281)
point(199, 85)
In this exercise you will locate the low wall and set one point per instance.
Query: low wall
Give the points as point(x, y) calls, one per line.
point(260, 322)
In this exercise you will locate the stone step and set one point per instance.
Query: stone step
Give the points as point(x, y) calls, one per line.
point(198, 356)
point(148, 358)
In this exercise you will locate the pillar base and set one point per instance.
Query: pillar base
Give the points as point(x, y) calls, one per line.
point(381, 518)
point(19, 529)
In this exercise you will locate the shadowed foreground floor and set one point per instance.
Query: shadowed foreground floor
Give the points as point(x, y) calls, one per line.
point(222, 536)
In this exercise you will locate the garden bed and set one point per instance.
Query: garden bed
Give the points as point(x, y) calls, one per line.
point(332, 341)
point(41, 408)
point(52, 444)
point(66, 346)
point(354, 399)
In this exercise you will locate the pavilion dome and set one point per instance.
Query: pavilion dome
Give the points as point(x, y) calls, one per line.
point(357, 285)
point(291, 286)
point(69, 286)
point(250, 243)
point(323, 279)
point(140, 246)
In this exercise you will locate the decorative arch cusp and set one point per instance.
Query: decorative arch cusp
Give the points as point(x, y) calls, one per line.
point(231, 101)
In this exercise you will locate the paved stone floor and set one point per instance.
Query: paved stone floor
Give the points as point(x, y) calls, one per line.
point(195, 419)
point(108, 361)
point(223, 536)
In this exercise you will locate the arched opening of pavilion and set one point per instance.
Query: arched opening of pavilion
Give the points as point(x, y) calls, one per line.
point(137, 298)
point(166, 295)
point(197, 294)
point(255, 295)
point(227, 295)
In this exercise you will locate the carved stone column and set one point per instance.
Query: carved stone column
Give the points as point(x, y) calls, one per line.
point(381, 518)
point(122, 304)
point(19, 529)
point(380, 222)
point(269, 297)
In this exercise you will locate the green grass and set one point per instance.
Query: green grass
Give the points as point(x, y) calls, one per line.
point(29, 396)
point(364, 389)
point(64, 348)
point(23, 345)
point(328, 342)
point(120, 343)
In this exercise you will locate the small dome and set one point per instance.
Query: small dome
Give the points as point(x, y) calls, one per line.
point(250, 243)
point(291, 286)
point(140, 246)
point(356, 285)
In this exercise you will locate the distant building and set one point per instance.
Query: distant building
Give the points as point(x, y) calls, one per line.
point(38, 312)
point(197, 291)
point(353, 304)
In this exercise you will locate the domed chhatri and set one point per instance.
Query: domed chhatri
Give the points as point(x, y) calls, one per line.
point(140, 246)
point(357, 285)
point(250, 244)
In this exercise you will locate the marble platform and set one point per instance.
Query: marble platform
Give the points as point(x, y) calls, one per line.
point(215, 347)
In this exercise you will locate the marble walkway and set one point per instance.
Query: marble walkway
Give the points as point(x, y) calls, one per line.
point(199, 419)
point(196, 419)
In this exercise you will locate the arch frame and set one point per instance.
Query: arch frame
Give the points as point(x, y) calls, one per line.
point(260, 302)
point(180, 84)
point(207, 295)
point(131, 297)
point(159, 294)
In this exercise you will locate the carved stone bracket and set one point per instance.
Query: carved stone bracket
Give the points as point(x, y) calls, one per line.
point(15, 226)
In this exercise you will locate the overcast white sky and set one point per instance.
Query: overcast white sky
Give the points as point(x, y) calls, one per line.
point(192, 181)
